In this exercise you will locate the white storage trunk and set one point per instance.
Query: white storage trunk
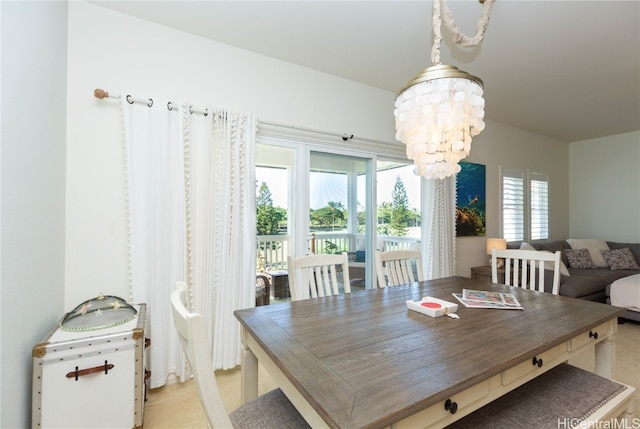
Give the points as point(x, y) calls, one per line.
point(93, 379)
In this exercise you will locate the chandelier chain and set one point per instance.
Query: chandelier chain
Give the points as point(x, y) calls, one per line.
point(441, 12)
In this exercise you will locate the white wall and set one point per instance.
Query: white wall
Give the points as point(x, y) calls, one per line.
point(605, 188)
point(33, 147)
point(124, 54)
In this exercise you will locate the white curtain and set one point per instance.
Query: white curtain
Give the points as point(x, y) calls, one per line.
point(224, 234)
point(190, 183)
point(154, 165)
point(439, 228)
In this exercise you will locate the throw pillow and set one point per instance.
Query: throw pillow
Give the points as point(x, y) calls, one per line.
point(620, 259)
point(526, 246)
point(578, 258)
point(594, 246)
point(360, 256)
point(634, 247)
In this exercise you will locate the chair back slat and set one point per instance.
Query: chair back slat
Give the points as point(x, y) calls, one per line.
point(315, 276)
point(399, 272)
point(396, 267)
point(526, 268)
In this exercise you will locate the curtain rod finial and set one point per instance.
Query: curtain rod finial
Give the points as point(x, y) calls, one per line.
point(100, 93)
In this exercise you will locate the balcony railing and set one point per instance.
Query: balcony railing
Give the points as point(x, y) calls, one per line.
point(274, 249)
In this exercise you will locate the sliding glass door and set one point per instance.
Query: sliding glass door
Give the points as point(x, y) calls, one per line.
point(312, 199)
point(340, 211)
point(399, 205)
point(275, 168)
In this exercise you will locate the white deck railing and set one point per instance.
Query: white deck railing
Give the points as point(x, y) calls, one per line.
point(274, 249)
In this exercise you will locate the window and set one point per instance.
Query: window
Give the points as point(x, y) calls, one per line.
point(399, 204)
point(524, 205)
point(539, 206)
point(512, 204)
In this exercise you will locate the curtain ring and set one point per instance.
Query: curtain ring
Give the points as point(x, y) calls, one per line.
point(169, 106)
point(150, 102)
point(191, 110)
point(206, 112)
point(129, 100)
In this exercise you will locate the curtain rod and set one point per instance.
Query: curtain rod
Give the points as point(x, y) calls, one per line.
point(101, 94)
point(344, 136)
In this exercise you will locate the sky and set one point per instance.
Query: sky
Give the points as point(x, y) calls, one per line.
point(332, 187)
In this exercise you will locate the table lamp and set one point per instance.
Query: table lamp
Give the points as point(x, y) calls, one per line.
point(498, 244)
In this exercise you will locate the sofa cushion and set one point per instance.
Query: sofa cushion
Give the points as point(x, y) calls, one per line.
point(605, 277)
point(635, 248)
point(594, 246)
point(579, 258)
point(581, 285)
point(620, 259)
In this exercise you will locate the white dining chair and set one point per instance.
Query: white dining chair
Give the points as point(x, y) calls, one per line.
point(396, 267)
point(269, 411)
point(525, 268)
point(314, 276)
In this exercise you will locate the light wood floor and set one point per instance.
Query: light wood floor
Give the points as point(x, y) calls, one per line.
point(177, 405)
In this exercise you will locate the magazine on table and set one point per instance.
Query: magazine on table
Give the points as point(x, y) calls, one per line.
point(487, 299)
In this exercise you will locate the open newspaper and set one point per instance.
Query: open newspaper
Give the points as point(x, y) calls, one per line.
point(487, 299)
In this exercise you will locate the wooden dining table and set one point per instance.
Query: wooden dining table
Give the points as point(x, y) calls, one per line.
point(364, 360)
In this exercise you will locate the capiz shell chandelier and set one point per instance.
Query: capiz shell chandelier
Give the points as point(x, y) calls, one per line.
point(442, 108)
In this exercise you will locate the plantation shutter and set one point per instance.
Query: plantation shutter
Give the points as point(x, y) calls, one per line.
point(512, 204)
point(539, 201)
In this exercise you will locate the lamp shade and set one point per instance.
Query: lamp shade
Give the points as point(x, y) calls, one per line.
point(496, 243)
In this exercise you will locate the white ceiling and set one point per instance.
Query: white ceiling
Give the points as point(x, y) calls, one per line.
point(565, 69)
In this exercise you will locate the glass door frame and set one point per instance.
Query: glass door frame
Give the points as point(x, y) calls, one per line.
point(302, 202)
point(299, 196)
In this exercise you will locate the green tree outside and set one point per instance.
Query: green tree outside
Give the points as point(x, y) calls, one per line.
point(268, 217)
point(384, 217)
point(337, 212)
point(332, 215)
point(400, 214)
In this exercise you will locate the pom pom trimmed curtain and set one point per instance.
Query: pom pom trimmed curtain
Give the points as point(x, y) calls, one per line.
point(191, 215)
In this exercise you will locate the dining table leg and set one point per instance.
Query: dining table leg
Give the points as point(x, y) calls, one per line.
point(248, 371)
point(605, 359)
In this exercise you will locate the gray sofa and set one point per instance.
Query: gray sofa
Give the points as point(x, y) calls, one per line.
point(589, 283)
